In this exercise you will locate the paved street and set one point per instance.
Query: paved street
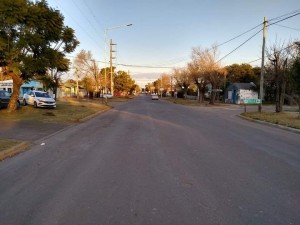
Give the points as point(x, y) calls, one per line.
point(157, 163)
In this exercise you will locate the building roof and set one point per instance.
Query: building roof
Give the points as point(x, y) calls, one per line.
point(245, 86)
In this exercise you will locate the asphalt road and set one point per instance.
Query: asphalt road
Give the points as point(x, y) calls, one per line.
point(154, 162)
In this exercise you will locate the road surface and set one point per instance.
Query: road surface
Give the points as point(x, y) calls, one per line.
point(157, 163)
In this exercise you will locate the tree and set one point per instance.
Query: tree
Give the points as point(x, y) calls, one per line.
point(52, 79)
point(197, 74)
point(123, 83)
point(278, 55)
point(295, 77)
point(241, 73)
point(163, 82)
point(209, 67)
point(31, 33)
point(183, 79)
point(86, 65)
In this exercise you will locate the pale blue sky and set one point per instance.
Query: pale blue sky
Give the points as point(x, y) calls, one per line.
point(164, 31)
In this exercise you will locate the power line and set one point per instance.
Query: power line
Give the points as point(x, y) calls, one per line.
point(239, 35)
point(278, 17)
point(94, 17)
point(77, 23)
point(167, 67)
point(144, 66)
point(283, 19)
point(131, 65)
point(274, 52)
point(239, 45)
point(257, 33)
point(225, 42)
point(87, 19)
point(287, 27)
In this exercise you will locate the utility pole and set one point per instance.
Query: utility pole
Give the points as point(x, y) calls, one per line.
point(262, 70)
point(111, 67)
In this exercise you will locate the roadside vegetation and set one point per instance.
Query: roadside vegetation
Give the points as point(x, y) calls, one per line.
point(190, 102)
point(288, 119)
point(8, 143)
point(67, 111)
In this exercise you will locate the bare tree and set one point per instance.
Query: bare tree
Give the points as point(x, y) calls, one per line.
point(197, 74)
point(88, 66)
point(279, 59)
point(206, 66)
point(183, 79)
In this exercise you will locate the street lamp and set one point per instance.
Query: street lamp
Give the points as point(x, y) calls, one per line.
point(105, 33)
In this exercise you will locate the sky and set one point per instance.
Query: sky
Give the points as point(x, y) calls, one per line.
point(163, 32)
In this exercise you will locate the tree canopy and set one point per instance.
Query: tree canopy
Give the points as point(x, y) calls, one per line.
point(123, 83)
point(33, 40)
point(241, 73)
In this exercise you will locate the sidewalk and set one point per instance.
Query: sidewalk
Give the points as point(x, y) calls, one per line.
point(27, 132)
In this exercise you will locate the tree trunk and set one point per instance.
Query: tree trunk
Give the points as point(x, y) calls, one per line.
point(17, 82)
point(200, 93)
point(282, 94)
point(54, 90)
point(298, 101)
point(277, 97)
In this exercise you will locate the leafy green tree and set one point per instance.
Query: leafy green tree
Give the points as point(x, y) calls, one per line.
point(33, 40)
point(123, 83)
point(241, 73)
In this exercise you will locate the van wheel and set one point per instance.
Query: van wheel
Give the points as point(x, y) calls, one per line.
point(35, 105)
point(24, 102)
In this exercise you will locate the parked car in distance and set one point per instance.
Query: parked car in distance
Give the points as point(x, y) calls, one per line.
point(154, 97)
point(106, 96)
point(4, 99)
point(39, 99)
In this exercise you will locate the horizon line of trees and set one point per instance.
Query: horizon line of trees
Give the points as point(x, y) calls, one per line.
point(281, 79)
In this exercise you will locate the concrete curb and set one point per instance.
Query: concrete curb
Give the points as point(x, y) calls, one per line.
point(95, 114)
point(14, 150)
point(294, 130)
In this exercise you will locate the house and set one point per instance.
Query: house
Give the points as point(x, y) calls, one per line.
point(66, 90)
point(26, 87)
point(236, 93)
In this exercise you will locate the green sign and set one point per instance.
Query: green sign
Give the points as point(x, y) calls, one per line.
point(251, 101)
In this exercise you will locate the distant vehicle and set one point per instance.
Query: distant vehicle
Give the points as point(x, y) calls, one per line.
point(4, 99)
point(154, 97)
point(39, 99)
point(106, 96)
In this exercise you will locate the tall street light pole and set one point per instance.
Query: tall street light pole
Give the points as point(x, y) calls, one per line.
point(105, 34)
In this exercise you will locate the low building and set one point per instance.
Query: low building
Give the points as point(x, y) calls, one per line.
point(236, 93)
point(26, 87)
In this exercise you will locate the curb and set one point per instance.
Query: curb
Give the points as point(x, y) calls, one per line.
point(294, 130)
point(95, 114)
point(14, 150)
